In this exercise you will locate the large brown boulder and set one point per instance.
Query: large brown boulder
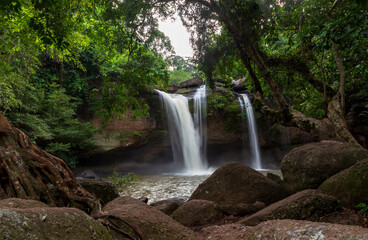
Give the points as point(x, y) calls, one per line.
point(308, 166)
point(168, 206)
point(304, 230)
point(103, 189)
point(236, 183)
point(242, 209)
point(226, 232)
point(193, 82)
point(349, 186)
point(123, 200)
point(197, 213)
point(306, 205)
point(50, 224)
point(142, 221)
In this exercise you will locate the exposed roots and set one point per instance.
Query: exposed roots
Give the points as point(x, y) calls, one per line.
point(28, 172)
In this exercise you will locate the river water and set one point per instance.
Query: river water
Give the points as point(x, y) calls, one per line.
point(160, 187)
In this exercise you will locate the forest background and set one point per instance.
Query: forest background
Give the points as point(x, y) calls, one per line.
point(61, 62)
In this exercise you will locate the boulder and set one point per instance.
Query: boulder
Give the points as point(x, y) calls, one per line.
point(242, 209)
point(123, 200)
point(21, 203)
point(274, 177)
point(141, 221)
point(101, 188)
point(306, 205)
point(167, 206)
point(51, 224)
point(227, 231)
point(236, 183)
point(238, 85)
point(308, 166)
point(345, 217)
point(193, 82)
point(349, 186)
point(197, 213)
point(304, 230)
point(172, 88)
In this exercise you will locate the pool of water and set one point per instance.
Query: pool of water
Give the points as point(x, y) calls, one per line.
point(160, 187)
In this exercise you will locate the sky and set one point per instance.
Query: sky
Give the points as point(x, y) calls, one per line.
point(178, 35)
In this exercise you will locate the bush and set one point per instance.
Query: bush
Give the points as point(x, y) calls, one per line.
point(122, 182)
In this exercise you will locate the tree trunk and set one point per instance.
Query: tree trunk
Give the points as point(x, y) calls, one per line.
point(341, 68)
point(28, 172)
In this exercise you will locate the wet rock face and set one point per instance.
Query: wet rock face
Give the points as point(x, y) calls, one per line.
point(236, 183)
point(305, 205)
point(349, 186)
point(101, 188)
point(306, 167)
point(50, 223)
point(197, 213)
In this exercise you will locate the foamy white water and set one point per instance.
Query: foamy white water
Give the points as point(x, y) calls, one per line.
point(246, 105)
point(200, 120)
point(184, 138)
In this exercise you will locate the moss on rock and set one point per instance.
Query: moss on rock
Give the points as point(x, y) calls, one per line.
point(350, 185)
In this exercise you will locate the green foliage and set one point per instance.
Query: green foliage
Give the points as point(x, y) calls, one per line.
point(50, 121)
point(122, 182)
point(363, 208)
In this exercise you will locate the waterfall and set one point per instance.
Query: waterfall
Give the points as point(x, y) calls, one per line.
point(184, 137)
point(246, 105)
point(200, 119)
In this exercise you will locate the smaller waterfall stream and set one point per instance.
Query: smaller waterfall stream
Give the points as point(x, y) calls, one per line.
point(200, 119)
point(246, 105)
point(185, 139)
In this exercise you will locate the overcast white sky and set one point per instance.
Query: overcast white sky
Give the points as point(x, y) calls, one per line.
point(178, 35)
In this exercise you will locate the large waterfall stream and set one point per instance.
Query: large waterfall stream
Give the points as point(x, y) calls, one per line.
point(246, 105)
point(186, 140)
point(200, 119)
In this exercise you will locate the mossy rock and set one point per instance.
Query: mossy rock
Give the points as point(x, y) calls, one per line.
point(21, 203)
point(308, 166)
point(305, 205)
point(51, 224)
point(349, 186)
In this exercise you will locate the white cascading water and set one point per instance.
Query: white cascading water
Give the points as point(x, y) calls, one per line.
point(200, 119)
point(246, 105)
point(184, 137)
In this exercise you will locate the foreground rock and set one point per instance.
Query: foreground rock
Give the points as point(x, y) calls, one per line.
point(21, 203)
point(123, 200)
point(304, 230)
point(197, 213)
point(242, 209)
point(103, 189)
point(306, 205)
point(349, 186)
point(308, 166)
point(141, 221)
point(50, 224)
point(168, 206)
point(226, 232)
point(236, 183)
